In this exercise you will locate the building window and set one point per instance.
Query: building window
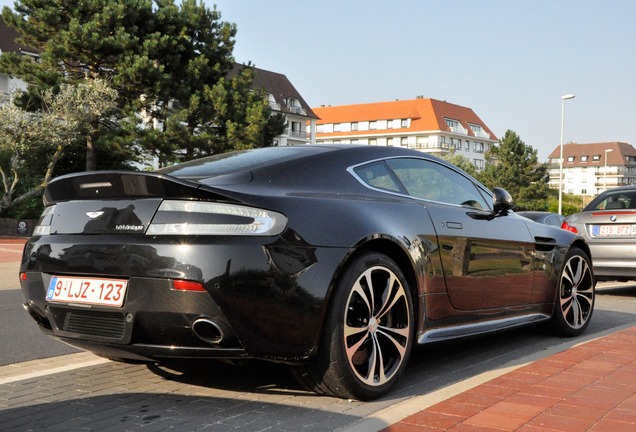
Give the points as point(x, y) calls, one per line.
point(389, 141)
point(373, 141)
point(596, 157)
point(479, 147)
point(583, 191)
point(570, 158)
point(336, 127)
point(479, 163)
point(451, 123)
point(467, 146)
point(584, 158)
point(354, 141)
point(404, 141)
point(389, 124)
point(373, 125)
point(404, 123)
point(477, 130)
point(354, 126)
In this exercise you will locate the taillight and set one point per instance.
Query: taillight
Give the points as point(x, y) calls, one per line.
point(566, 226)
point(207, 218)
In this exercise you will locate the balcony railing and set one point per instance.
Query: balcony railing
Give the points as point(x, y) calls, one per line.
point(459, 129)
point(482, 134)
point(296, 110)
point(298, 134)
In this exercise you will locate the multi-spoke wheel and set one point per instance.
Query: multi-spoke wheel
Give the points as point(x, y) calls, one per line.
point(368, 334)
point(575, 298)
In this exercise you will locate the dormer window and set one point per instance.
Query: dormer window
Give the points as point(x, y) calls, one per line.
point(452, 123)
point(570, 158)
point(290, 102)
point(584, 158)
point(596, 158)
point(476, 129)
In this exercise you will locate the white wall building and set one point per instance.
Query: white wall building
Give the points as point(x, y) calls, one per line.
point(8, 84)
point(428, 125)
point(589, 169)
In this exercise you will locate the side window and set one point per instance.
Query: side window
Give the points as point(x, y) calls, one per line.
point(377, 175)
point(431, 181)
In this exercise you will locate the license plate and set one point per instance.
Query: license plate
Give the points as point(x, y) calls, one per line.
point(94, 291)
point(613, 230)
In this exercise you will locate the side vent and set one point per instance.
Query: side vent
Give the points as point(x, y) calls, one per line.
point(545, 244)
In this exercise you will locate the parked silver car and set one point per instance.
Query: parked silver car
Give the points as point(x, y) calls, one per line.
point(608, 223)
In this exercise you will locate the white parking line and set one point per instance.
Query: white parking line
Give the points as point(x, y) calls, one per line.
point(53, 370)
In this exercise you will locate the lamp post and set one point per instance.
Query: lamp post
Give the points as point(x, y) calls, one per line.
point(605, 172)
point(563, 99)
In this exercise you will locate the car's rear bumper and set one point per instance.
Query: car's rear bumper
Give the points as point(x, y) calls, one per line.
point(266, 296)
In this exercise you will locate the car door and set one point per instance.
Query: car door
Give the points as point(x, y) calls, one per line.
point(487, 262)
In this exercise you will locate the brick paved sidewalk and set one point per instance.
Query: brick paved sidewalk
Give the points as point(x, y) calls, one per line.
point(591, 387)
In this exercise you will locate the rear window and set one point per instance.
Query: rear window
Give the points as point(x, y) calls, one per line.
point(232, 162)
point(614, 200)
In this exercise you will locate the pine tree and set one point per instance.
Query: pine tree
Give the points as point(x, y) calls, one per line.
point(167, 62)
point(514, 166)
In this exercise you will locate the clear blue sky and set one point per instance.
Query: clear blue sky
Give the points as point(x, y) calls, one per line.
point(510, 61)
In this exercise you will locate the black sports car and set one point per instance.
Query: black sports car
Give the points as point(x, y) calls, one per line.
point(337, 260)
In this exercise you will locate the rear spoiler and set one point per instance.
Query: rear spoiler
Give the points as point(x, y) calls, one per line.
point(121, 185)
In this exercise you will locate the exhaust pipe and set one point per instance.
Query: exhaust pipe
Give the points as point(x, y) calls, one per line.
point(207, 330)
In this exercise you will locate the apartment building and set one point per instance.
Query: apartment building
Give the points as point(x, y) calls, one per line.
point(9, 84)
point(589, 169)
point(284, 98)
point(428, 125)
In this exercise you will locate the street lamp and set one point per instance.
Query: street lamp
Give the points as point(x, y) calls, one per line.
point(563, 99)
point(605, 172)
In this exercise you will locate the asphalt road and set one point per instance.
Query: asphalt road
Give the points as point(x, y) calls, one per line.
point(87, 393)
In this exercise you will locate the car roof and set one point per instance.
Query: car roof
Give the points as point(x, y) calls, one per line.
point(237, 162)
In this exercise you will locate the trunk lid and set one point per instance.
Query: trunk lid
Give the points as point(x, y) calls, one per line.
point(111, 202)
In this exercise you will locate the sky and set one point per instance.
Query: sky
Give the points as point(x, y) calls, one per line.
point(509, 61)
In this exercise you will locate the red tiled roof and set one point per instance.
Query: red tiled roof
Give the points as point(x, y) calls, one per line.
point(615, 157)
point(425, 115)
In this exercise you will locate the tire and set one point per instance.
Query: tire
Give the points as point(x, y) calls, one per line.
point(368, 332)
point(574, 303)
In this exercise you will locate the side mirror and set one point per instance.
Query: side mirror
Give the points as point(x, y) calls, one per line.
point(502, 201)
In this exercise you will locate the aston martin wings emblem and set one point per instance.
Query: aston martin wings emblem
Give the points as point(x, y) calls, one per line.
point(94, 214)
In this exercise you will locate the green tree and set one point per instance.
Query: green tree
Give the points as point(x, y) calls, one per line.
point(168, 63)
point(462, 162)
point(47, 132)
point(514, 166)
